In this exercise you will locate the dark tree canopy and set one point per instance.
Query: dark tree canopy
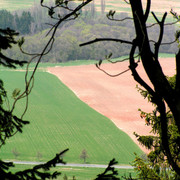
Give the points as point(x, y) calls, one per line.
point(162, 94)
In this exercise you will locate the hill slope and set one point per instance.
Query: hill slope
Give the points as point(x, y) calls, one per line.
point(59, 120)
point(115, 97)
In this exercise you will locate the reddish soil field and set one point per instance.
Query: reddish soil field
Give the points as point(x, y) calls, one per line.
point(160, 6)
point(116, 98)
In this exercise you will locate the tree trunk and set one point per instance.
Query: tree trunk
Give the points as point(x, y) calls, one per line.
point(162, 89)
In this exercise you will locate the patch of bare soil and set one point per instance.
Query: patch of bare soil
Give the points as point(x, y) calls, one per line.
point(157, 6)
point(116, 98)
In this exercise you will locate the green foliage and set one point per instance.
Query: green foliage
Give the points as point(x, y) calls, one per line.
point(15, 93)
point(80, 173)
point(6, 19)
point(109, 173)
point(66, 46)
point(172, 81)
point(147, 141)
point(7, 39)
point(9, 123)
point(22, 23)
point(157, 165)
point(37, 172)
point(144, 93)
point(65, 177)
point(36, 25)
point(111, 14)
point(144, 169)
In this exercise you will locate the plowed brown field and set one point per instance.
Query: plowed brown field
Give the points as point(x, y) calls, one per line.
point(116, 98)
point(159, 6)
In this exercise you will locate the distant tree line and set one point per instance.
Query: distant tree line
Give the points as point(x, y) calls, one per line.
point(35, 23)
point(20, 22)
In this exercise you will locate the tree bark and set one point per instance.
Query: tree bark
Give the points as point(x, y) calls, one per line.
point(163, 93)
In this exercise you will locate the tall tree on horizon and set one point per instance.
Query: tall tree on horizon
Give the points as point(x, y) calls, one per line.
point(103, 6)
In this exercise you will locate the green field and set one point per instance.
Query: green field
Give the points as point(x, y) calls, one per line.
point(43, 66)
point(79, 172)
point(59, 120)
point(12, 5)
point(119, 6)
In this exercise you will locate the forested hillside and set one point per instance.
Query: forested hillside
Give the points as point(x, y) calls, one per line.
point(35, 24)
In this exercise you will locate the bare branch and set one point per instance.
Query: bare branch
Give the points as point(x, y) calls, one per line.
point(122, 60)
point(155, 17)
point(105, 39)
point(113, 19)
point(177, 88)
point(126, 2)
point(126, 18)
point(166, 43)
point(167, 24)
point(161, 24)
point(146, 15)
point(112, 75)
point(133, 65)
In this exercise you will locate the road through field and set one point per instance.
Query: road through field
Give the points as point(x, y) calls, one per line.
point(116, 98)
point(73, 165)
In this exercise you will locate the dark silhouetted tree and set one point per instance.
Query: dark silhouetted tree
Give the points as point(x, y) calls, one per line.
point(162, 94)
point(110, 172)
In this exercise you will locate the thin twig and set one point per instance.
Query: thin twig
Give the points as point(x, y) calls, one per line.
point(113, 75)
